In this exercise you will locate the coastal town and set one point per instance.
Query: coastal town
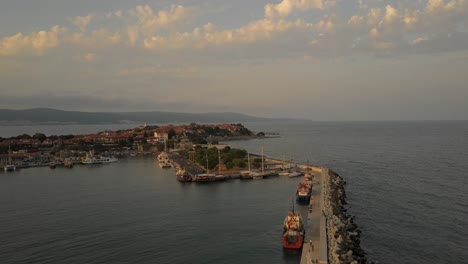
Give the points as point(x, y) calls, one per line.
point(41, 150)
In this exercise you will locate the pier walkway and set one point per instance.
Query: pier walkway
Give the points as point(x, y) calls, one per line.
point(188, 165)
point(315, 242)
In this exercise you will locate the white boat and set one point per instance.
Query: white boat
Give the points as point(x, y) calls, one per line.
point(10, 166)
point(163, 158)
point(91, 158)
point(256, 175)
point(164, 165)
point(294, 174)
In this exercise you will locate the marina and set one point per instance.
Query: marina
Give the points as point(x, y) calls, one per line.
point(249, 212)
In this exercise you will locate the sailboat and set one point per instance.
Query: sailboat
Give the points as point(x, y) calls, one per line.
point(246, 174)
point(205, 177)
point(163, 158)
point(219, 176)
point(9, 166)
point(259, 176)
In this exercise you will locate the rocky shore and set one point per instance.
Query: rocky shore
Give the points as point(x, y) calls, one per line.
point(343, 234)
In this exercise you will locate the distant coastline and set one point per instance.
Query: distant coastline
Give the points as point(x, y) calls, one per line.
point(48, 116)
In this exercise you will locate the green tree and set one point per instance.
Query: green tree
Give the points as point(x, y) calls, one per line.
point(39, 136)
point(171, 134)
point(229, 165)
point(23, 136)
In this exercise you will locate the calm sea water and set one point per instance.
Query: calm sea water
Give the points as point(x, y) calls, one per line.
point(406, 186)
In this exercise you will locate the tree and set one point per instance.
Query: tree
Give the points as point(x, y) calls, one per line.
point(23, 136)
point(171, 133)
point(39, 136)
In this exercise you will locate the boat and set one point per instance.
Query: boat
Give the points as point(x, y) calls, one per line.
point(52, 165)
point(68, 163)
point(163, 158)
point(182, 175)
point(294, 174)
point(165, 164)
point(293, 231)
point(256, 175)
point(246, 175)
point(304, 190)
point(91, 159)
point(204, 177)
point(307, 173)
point(259, 175)
point(9, 166)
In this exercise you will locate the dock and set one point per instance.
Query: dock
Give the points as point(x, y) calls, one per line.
point(188, 165)
point(315, 249)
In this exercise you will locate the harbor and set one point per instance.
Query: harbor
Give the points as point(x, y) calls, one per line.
point(326, 233)
point(330, 235)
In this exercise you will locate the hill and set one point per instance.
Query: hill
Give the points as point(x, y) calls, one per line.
point(55, 116)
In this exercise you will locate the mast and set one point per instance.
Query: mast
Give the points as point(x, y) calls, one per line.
point(9, 154)
point(207, 170)
point(219, 162)
point(248, 159)
point(263, 167)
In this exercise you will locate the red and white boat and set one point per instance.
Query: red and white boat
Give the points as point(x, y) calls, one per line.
point(293, 231)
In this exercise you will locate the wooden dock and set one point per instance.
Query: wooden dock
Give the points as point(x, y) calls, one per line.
point(315, 250)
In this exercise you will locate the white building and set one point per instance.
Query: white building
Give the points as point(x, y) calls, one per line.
point(161, 136)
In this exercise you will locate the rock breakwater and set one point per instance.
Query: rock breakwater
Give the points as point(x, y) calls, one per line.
point(342, 233)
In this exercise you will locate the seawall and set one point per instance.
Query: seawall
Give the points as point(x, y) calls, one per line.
point(343, 234)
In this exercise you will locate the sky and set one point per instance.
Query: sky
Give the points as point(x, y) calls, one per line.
point(308, 59)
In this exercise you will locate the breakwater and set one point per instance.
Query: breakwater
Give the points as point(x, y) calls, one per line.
point(331, 234)
point(343, 234)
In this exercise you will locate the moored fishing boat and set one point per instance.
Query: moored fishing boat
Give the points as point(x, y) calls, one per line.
point(304, 190)
point(182, 175)
point(293, 231)
point(91, 158)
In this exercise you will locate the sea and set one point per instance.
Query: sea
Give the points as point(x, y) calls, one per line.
point(406, 186)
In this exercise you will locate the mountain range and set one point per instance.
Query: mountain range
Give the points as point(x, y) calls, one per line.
point(55, 116)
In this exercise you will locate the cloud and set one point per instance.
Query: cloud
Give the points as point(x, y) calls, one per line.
point(90, 57)
point(149, 22)
point(144, 29)
point(286, 7)
point(82, 22)
point(260, 30)
point(36, 43)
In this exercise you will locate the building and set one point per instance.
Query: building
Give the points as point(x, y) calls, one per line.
point(161, 136)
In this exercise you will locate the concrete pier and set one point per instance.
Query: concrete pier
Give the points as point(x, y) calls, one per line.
point(315, 242)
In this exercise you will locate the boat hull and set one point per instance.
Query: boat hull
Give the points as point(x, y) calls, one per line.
point(293, 240)
point(9, 168)
point(303, 198)
point(184, 178)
